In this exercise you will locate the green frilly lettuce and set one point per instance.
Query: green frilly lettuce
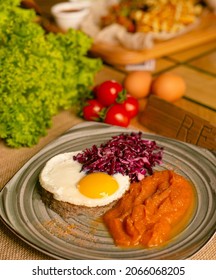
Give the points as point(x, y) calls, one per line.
point(40, 74)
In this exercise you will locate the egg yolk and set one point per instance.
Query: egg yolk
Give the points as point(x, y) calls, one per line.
point(97, 185)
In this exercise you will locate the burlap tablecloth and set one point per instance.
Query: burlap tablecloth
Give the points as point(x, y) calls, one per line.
point(11, 160)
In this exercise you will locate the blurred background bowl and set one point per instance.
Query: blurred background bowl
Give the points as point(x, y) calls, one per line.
point(70, 14)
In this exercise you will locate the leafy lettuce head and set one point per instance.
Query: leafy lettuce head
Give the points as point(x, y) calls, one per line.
point(40, 74)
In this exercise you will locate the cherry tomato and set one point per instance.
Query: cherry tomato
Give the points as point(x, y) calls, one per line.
point(107, 92)
point(131, 106)
point(92, 109)
point(117, 115)
point(95, 90)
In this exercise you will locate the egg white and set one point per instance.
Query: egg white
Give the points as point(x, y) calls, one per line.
point(61, 175)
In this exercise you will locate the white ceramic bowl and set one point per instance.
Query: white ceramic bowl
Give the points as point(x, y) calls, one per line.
point(70, 14)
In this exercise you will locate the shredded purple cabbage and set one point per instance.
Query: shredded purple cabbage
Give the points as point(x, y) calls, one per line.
point(127, 154)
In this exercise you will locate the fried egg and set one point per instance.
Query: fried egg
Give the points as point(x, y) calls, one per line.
point(62, 176)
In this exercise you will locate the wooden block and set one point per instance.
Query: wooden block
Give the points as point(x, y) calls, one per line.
point(169, 120)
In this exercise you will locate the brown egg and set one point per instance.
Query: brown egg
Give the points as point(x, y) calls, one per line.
point(138, 83)
point(169, 87)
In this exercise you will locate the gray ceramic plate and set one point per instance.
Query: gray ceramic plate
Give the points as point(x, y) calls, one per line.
point(82, 237)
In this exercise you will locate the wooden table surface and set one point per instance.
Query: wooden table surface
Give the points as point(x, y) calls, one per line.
point(198, 68)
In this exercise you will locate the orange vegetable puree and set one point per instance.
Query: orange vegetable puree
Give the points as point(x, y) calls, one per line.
point(152, 211)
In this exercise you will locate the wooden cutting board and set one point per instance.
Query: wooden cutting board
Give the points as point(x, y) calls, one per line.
point(203, 33)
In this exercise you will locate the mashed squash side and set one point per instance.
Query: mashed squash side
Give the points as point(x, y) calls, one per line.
point(152, 211)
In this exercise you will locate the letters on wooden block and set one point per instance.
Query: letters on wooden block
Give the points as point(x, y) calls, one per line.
point(169, 120)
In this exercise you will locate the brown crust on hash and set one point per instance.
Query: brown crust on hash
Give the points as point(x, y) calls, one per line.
point(67, 210)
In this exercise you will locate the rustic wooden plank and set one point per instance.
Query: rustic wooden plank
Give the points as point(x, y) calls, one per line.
point(194, 52)
point(206, 63)
point(169, 120)
point(201, 86)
